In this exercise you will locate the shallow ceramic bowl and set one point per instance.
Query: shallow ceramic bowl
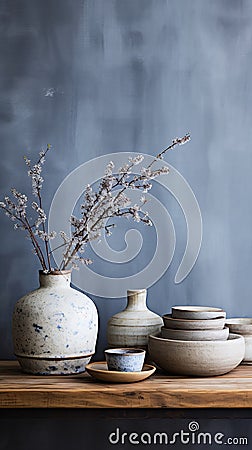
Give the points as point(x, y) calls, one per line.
point(195, 335)
point(243, 326)
point(199, 358)
point(183, 324)
point(100, 371)
point(125, 359)
point(197, 312)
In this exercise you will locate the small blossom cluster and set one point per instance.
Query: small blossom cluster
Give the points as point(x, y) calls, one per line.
point(108, 201)
point(181, 141)
point(16, 210)
point(35, 172)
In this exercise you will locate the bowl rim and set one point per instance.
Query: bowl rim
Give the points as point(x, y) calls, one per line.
point(231, 337)
point(195, 308)
point(210, 330)
point(122, 351)
point(247, 321)
point(175, 319)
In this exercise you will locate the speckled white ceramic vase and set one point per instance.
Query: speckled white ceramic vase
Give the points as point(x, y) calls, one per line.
point(54, 327)
point(132, 326)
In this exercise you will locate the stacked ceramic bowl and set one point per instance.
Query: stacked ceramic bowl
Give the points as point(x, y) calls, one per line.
point(195, 323)
point(243, 326)
point(195, 341)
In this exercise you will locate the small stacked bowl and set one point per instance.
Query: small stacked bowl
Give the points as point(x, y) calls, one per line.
point(195, 341)
point(195, 323)
point(243, 326)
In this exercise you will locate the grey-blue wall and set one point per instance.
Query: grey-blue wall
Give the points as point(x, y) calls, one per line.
point(129, 75)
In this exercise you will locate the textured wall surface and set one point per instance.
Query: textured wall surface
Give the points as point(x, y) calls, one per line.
point(93, 77)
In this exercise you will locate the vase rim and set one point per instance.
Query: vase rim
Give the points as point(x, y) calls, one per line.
point(135, 291)
point(56, 272)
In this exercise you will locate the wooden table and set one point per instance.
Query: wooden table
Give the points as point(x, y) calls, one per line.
point(18, 390)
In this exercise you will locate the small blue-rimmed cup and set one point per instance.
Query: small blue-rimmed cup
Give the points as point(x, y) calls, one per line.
point(125, 359)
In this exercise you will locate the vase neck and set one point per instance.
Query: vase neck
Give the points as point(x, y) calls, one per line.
point(136, 300)
point(55, 279)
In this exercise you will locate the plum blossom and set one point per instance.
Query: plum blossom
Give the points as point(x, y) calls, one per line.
point(110, 200)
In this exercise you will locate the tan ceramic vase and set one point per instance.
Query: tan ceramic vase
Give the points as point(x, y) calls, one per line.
point(132, 326)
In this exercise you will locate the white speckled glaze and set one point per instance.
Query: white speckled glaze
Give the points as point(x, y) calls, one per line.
point(132, 326)
point(125, 359)
point(54, 327)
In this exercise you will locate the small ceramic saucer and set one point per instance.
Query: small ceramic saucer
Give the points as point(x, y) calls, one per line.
point(99, 370)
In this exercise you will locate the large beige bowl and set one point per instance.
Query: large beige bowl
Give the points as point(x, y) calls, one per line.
point(195, 335)
point(181, 324)
point(197, 312)
point(200, 358)
point(243, 326)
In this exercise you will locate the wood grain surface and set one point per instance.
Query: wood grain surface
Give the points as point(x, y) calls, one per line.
point(19, 390)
